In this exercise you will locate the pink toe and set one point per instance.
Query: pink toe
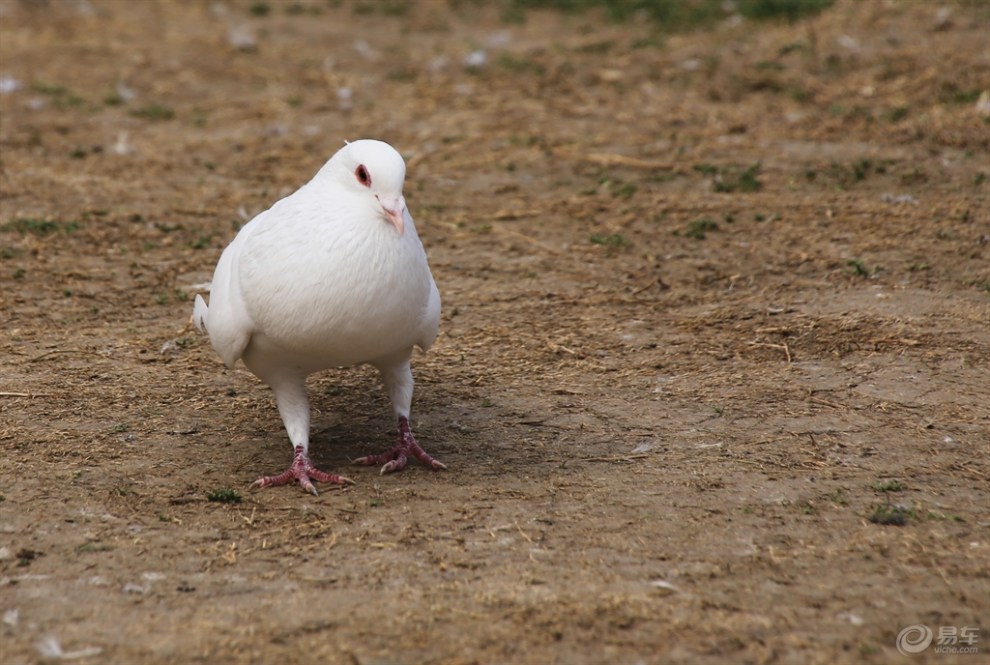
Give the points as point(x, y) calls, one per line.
point(396, 457)
point(303, 472)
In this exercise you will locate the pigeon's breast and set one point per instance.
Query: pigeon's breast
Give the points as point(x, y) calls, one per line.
point(337, 298)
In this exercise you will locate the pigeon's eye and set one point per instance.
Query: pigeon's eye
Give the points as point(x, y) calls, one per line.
point(363, 176)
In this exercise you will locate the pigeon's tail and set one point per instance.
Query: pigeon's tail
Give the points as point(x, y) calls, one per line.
point(201, 314)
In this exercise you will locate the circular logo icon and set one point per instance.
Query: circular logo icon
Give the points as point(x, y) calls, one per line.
point(914, 639)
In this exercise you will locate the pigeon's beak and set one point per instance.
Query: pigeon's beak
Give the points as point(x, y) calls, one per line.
point(395, 212)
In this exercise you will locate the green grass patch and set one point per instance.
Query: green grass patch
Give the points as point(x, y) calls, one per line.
point(951, 93)
point(384, 7)
point(39, 226)
point(732, 178)
point(613, 241)
point(62, 97)
point(858, 268)
point(201, 242)
point(736, 180)
point(791, 10)
point(892, 516)
point(889, 486)
point(838, 497)
point(898, 113)
point(224, 496)
point(674, 15)
point(623, 190)
point(154, 112)
point(699, 228)
point(113, 98)
point(846, 175)
point(25, 556)
point(260, 8)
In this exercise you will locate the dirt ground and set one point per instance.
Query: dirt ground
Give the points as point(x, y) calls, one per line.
point(713, 373)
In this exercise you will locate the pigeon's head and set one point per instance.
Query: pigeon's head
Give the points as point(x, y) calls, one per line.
point(374, 171)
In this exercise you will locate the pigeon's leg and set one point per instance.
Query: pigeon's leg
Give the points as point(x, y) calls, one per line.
point(399, 385)
point(293, 406)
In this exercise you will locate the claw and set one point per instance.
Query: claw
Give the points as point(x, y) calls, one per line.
point(396, 457)
point(302, 471)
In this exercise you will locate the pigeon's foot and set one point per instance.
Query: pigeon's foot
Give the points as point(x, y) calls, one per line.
point(395, 458)
point(303, 471)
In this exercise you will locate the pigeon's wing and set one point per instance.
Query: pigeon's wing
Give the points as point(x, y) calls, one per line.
point(228, 321)
point(429, 316)
point(430, 319)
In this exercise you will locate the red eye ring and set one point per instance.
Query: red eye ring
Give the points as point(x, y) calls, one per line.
point(362, 175)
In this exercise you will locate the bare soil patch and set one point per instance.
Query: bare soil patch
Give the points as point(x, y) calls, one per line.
point(712, 379)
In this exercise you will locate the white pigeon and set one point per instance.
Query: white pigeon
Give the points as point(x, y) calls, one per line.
point(332, 275)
